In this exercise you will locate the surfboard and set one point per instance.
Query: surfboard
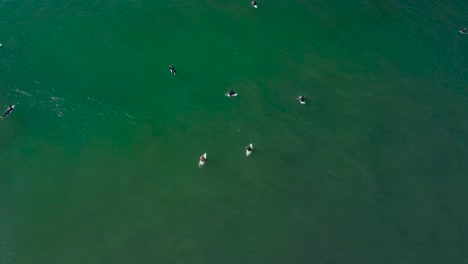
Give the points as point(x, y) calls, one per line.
point(247, 152)
point(200, 163)
point(299, 99)
point(234, 95)
point(463, 32)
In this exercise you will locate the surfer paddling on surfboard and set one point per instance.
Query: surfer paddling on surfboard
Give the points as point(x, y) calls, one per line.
point(231, 93)
point(8, 111)
point(172, 69)
point(301, 99)
point(464, 31)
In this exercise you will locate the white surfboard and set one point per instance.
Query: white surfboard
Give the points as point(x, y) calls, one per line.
point(247, 152)
point(200, 163)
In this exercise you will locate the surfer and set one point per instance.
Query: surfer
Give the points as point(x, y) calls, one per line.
point(202, 159)
point(248, 148)
point(232, 93)
point(172, 69)
point(301, 98)
point(464, 31)
point(8, 111)
point(254, 3)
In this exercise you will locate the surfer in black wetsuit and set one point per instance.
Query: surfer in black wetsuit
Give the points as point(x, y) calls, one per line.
point(254, 2)
point(464, 31)
point(8, 111)
point(301, 98)
point(232, 93)
point(248, 148)
point(172, 69)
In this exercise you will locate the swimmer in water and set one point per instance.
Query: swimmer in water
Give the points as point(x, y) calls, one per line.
point(8, 111)
point(172, 69)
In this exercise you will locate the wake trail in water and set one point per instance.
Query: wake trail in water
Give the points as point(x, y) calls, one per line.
point(86, 117)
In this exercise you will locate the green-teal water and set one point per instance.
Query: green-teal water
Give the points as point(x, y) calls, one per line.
point(98, 163)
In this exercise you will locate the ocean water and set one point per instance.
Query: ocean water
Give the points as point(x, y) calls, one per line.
point(98, 163)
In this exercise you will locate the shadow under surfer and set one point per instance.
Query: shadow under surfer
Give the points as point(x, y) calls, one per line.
point(172, 69)
point(8, 111)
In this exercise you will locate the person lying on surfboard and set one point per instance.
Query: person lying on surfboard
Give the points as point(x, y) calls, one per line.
point(202, 158)
point(8, 111)
point(301, 98)
point(254, 2)
point(232, 93)
point(172, 69)
point(248, 148)
point(464, 31)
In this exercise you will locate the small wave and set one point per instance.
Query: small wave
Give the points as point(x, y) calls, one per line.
point(57, 98)
point(22, 92)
